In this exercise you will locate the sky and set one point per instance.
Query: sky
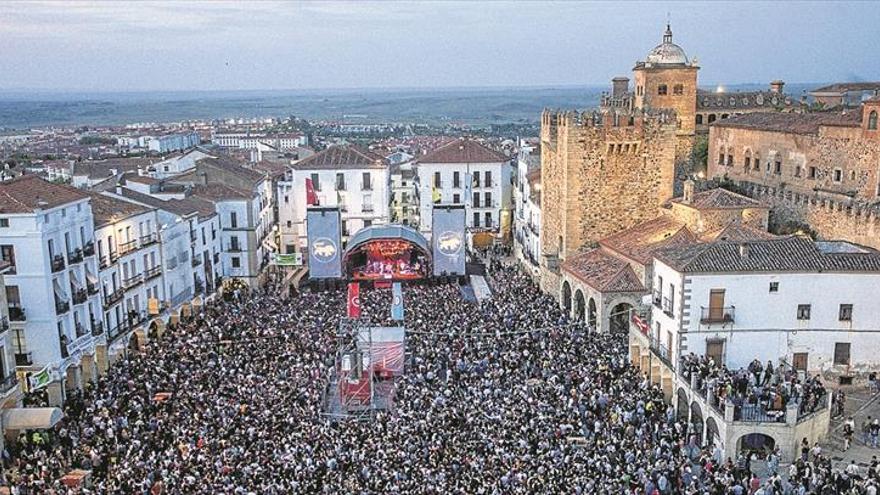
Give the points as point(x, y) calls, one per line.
point(253, 45)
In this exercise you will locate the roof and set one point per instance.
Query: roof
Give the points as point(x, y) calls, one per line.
point(104, 168)
point(142, 179)
point(27, 193)
point(784, 254)
point(603, 272)
point(31, 418)
point(791, 123)
point(387, 231)
point(181, 207)
point(720, 199)
point(534, 176)
point(232, 166)
point(640, 241)
point(339, 157)
point(744, 100)
point(463, 150)
point(274, 169)
point(848, 86)
point(107, 209)
point(735, 232)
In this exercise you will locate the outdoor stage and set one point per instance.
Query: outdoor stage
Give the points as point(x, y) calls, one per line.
point(387, 253)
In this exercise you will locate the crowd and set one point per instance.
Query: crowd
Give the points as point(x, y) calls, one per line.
point(506, 396)
point(758, 392)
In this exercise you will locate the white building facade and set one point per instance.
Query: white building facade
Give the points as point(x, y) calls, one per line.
point(527, 208)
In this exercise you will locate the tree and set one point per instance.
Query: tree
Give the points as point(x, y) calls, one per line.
point(700, 155)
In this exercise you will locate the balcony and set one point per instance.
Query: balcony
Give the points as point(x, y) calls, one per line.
point(16, 312)
point(8, 383)
point(234, 249)
point(149, 239)
point(91, 288)
point(127, 247)
point(133, 281)
point(721, 315)
point(57, 263)
point(114, 297)
point(89, 248)
point(97, 328)
point(75, 256)
point(199, 286)
point(61, 307)
point(79, 296)
point(109, 259)
point(4, 324)
point(196, 261)
point(150, 273)
point(367, 208)
point(80, 330)
point(667, 307)
point(193, 236)
point(24, 359)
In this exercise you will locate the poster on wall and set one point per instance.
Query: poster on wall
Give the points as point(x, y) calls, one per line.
point(448, 239)
point(324, 234)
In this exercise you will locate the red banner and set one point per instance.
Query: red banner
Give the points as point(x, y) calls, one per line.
point(354, 300)
point(311, 195)
point(641, 324)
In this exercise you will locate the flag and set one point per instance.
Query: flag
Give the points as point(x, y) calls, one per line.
point(354, 300)
point(40, 379)
point(311, 195)
point(396, 302)
point(641, 324)
point(435, 195)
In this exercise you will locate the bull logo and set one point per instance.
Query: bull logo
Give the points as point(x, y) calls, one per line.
point(449, 243)
point(323, 250)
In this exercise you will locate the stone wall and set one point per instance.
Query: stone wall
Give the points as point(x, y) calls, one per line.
point(602, 174)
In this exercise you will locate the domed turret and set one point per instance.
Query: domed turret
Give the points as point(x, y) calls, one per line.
point(667, 53)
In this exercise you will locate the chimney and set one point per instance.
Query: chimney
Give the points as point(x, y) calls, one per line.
point(744, 250)
point(619, 86)
point(776, 86)
point(688, 196)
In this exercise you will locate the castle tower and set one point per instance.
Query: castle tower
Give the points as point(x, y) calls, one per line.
point(666, 79)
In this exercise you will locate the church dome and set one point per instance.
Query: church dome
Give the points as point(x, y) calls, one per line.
point(667, 53)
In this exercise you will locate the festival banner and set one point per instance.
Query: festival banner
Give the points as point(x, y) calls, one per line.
point(293, 259)
point(396, 301)
point(40, 379)
point(324, 231)
point(448, 239)
point(311, 195)
point(354, 300)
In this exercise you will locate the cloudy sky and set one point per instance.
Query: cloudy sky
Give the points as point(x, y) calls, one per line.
point(203, 45)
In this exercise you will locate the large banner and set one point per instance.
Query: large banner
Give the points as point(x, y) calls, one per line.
point(354, 300)
point(448, 239)
point(383, 348)
point(324, 228)
point(396, 301)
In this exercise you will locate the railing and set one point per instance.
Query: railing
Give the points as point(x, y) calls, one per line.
point(234, 249)
point(80, 330)
point(724, 314)
point(97, 328)
point(61, 307)
point(75, 256)
point(116, 331)
point(127, 247)
point(114, 297)
point(79, 296)
point(757, 413)
point(65, 352)
point(132, 281)
point(89, 248)
point(149, 239)
point(109, 259)
point(667, 306)
point(24, 358)
point(16, 313)
point(368, 186)
point(57, 263)
point(8, 383)
point(91, 288)
point(367, 208)
point(152, 272)
point(196, 261)
point(661, 351)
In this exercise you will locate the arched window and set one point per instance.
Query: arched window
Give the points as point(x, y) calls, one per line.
point(662, 90)
point(711, 118)
point(872, 121)
point(699, 119)
point(678, 89)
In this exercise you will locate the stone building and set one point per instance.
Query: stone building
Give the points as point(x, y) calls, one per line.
point(713, 105)
point(601, 173)
point(845, 94)
point(819, 169)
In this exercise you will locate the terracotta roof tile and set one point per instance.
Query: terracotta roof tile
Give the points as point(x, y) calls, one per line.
point(463, 151)
point(27, 193)
point(640, 241)
point(791, 123)
point(736, 232)
point(720, 199)
point(106, 209)
point(341, 157)
point(603, 272)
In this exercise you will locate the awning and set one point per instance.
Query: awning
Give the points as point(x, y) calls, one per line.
point(31, 418)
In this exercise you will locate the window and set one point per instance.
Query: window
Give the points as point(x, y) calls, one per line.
point(4, 222)
point(662, 90)
point(803, 312)
point(872, 121)
point(437, 179)
point(721, 158)
point(289, 249)
point(289, 224)
point(774, 286)
point(340, 182)
point(476, 219)
point(456, 180)
point(233, 220)
point(729, 160)
point(368, 223)
point(678, 90)
point(488, 219)
point(797, 171)
point(838, 175)
point(488, 199)
point(488, 181)
point(841, 353)
point(748, 163)
point(236, 262)
point(800, 361)
point(715, 350)
point(476, 179)
point(711, 118)
point(367, 183)
point(476, 200)
point(7, 251)
point(845, 313)
point(812, 174)
point(456, 198)
point(316, 182)
point(852, 175)
point(699, 119)
point(777, 168)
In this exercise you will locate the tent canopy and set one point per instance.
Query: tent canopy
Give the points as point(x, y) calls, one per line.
point(388, 231)
point(31, 418)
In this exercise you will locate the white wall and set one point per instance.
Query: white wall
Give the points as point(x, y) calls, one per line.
point(500, 190)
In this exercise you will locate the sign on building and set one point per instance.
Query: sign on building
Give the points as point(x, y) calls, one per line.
point(324, 233)
point(448, 239)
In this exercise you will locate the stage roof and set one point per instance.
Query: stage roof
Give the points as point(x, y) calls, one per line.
point(390, 231)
